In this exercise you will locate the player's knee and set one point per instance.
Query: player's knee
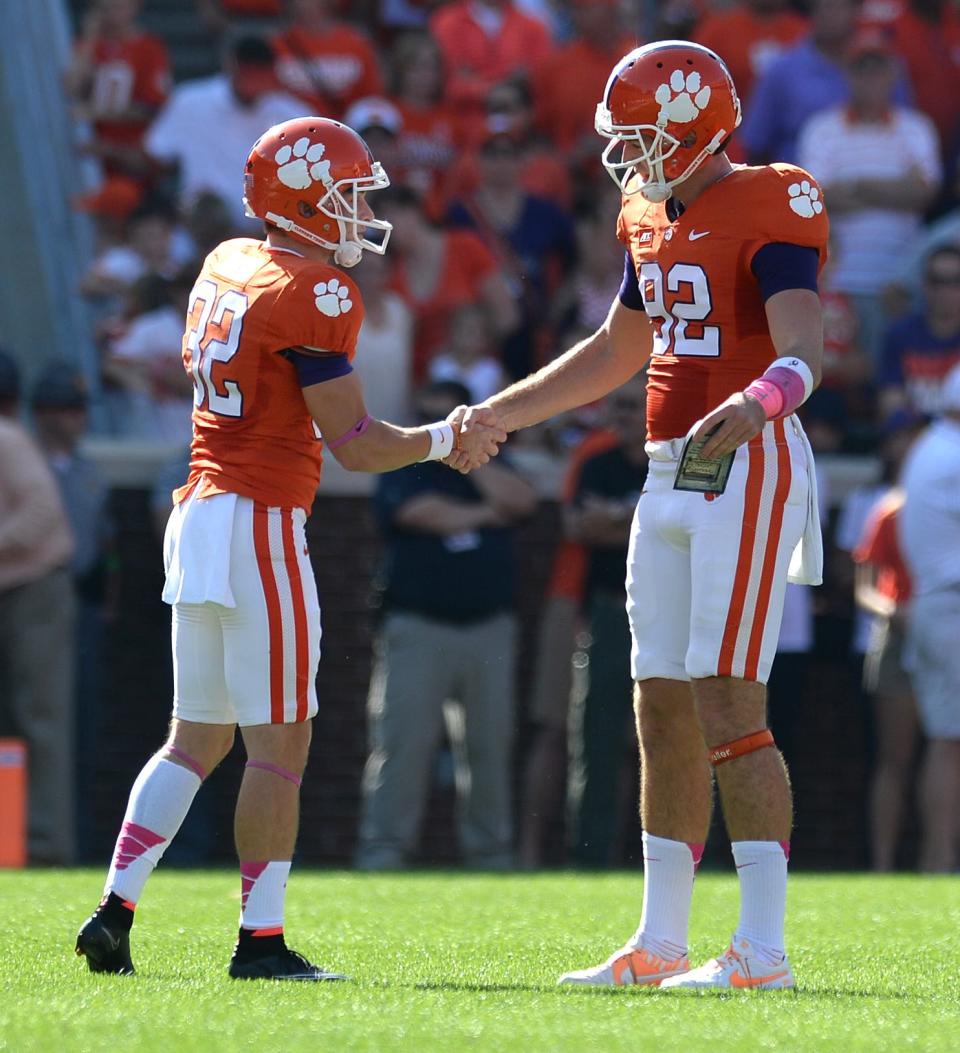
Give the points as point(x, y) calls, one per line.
point(729, 708)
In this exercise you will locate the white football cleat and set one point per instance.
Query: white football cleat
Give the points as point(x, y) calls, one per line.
point(738, 969)
point(629, 965)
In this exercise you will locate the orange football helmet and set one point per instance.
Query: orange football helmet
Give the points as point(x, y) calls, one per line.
point(675, 102)
point(306, 176)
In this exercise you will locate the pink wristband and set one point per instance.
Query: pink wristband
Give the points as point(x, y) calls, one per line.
point(779, 391)
point(358, 429)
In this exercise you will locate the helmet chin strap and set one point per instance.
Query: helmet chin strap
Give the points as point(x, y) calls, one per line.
point(348, 254)
point(655, 192)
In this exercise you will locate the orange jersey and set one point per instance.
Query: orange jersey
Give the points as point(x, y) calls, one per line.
point(252, 432)
point(710, 328)
point(132, 73)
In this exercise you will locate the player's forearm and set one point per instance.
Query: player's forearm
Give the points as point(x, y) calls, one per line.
point(587, 372)
point(384, 447)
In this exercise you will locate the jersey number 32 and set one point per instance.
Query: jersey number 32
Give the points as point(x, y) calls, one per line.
point(678, 304)
point(214, 336)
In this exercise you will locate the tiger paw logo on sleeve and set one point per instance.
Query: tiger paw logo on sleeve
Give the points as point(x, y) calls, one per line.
point(805, 199)
point(332, 298)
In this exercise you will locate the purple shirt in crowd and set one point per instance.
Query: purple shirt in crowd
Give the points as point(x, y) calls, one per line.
point(801, 82)
point(917, 361)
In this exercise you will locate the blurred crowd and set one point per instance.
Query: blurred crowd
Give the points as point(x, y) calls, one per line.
point(503, 254)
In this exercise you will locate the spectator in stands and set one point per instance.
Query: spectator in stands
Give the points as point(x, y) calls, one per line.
point(570, 81)
point(384, 357)
point(583, 301)
point(206, 128)
point(883, 591)
point(379, 123)
point(449, 633)
point(879, 166)
point(807, 78)
point(430, 127)
point(554, 680)
point(436, 270)
point(930, 536)
point(324, 61)
point(921, 348)
point(155, 245)
point(926, 35)
point(220, 14)
point(118, 78)
point(483, 42)
point(59, 407)
point(143, 359)
point(749, 36)
point(37, 618)
point(531, 239)
point(470, 357)
point(599, 518)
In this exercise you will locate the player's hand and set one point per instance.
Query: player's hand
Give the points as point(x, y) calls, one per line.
point(737, 421)
point(480, 435)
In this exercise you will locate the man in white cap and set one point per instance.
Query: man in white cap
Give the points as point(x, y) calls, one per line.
point(930, 535)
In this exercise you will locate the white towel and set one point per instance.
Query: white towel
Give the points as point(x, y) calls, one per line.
point(196, 550)
point(806, 563)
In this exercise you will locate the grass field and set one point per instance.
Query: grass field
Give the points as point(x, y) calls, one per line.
point(451, 962)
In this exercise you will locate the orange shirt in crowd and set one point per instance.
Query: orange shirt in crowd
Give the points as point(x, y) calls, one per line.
point(428, 143)
point(328, 70)
point(880, 547)
point(467, 264)
point(931, 53)
point(474, 61)
point(543, 173)
point(131, 73)
point(569, 84)
point(748, 42)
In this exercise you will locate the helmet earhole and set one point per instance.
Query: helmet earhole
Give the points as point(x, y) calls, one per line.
point(305, 209)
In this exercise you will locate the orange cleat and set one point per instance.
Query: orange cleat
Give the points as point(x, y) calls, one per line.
point(629, 965)
point(738, 969)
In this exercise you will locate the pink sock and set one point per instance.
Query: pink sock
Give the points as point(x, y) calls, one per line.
point(159, 802)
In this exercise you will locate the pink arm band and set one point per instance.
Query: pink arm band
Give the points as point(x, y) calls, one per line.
point(358, 429)
point(780, 391)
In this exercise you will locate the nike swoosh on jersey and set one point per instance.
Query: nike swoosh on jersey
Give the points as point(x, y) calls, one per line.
point(696, 235)
point(736, 980)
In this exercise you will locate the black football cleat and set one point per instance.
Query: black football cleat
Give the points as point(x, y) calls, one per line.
point(106, 947)
point(280, 965)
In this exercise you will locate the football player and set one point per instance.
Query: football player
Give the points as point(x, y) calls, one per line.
point(270, 334)
point(719, 295)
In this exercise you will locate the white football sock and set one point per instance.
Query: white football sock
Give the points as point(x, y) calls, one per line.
point(668, 872)
point(159, 802)
point(762, 869)
point(264, 890)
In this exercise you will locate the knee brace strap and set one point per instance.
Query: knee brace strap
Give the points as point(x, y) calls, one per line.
point(729, 751)
point(275, 769)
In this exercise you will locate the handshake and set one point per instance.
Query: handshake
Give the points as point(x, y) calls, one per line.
point(479, 432)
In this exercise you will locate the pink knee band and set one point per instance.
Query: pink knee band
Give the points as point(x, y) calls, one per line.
point(782, 388)
point(276, 770)
point(188, 761)
point(358, 429)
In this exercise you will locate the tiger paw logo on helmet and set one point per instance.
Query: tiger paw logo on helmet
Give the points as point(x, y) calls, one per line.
point(332, 298)
point(683, 99)
point(805, 199)
point(300, 165)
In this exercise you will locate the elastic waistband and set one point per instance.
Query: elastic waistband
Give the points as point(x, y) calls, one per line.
point(671, 449)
